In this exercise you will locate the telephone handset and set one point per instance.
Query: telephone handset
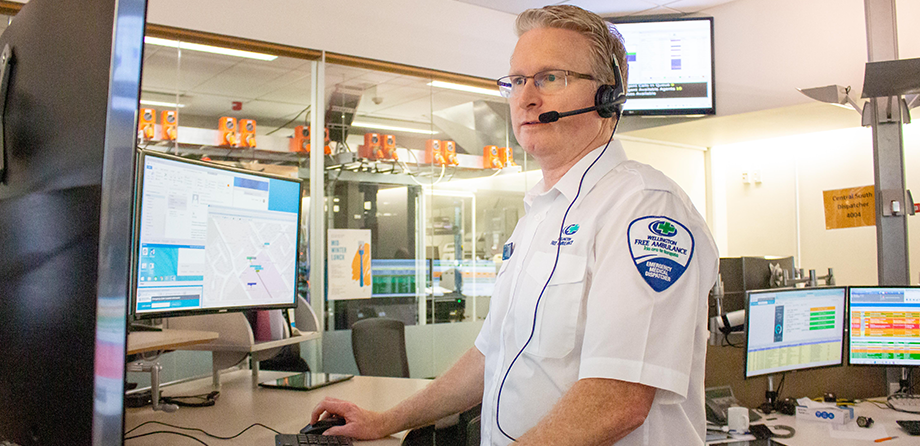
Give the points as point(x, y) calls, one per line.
point(718, 400)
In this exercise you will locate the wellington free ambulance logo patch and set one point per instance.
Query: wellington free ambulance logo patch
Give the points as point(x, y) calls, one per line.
point(661, 249)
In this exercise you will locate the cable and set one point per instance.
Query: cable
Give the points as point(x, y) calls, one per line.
point(287, 123)
point(166, 432)
point(195, 429)
point(533, 327)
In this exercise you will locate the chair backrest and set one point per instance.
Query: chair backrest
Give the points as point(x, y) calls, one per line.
point(379, 345)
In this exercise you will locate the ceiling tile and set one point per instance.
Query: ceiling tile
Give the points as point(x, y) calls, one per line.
point(659, 10)
point(619, 7)
point(690, 6)
point(510, 6)
point(291, 82)
point(241, 81)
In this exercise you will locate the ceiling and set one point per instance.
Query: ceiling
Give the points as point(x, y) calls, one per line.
point(608, 8)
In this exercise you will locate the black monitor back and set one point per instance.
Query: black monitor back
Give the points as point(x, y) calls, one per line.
point(65, 215)
point(741, 274)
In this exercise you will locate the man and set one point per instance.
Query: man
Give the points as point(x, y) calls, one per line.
point(596, 331)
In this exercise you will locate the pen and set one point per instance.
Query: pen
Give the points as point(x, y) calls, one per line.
point(885, 439)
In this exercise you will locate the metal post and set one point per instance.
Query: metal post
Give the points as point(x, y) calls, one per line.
point(318, 201)
point(888, 154)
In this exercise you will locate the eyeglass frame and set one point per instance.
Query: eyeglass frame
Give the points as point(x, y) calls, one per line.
point(510, 87)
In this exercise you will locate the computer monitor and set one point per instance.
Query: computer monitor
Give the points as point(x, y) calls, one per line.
point(794, 329)
point(210, 238)
point(67, 147)
point(884, 326)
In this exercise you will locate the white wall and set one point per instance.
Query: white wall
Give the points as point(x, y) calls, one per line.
point(440, 34)
point(760, 219)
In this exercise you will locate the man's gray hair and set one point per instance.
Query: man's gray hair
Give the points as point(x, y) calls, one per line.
point(606, 41)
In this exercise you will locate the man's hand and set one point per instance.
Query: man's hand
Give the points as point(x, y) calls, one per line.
point(458, 389)
point(360, 424)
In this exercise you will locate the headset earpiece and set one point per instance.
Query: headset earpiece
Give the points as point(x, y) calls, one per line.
point(609, 99)
point(604, 100)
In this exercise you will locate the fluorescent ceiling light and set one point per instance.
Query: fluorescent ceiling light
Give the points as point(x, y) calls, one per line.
point(371, 125)
point(466, 88)
point(161, 104)
point(207, 48)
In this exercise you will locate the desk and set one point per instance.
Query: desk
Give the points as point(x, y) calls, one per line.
point(241, 403)
point(147, 341)
point(809, 433)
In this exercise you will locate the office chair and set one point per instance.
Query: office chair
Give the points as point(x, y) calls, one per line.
point(379, 346)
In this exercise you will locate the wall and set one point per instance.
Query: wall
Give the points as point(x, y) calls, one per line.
point(761, 218)
point(441, 34)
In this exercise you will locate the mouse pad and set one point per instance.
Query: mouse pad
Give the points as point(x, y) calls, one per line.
point(306, 381)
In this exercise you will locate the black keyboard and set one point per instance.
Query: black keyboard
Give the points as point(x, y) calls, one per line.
point(312, 439)
point(911, 426)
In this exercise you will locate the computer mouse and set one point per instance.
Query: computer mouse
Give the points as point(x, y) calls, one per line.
point(320, 426)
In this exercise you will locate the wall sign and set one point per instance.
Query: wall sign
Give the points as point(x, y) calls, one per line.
point(849, 208)
point(349, 261)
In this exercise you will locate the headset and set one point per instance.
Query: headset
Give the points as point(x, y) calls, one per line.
point(608, 101)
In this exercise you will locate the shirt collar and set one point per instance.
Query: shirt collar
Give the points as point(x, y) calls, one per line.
point(568, 184)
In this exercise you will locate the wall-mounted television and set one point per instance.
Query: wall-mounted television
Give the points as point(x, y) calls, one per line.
point(671, 69)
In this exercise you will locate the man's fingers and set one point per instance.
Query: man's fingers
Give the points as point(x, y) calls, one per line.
point(331, 405)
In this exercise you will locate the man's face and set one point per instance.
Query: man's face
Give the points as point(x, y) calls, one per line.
point(543, 49)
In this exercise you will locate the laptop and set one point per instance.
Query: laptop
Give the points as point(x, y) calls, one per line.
point(306, 381)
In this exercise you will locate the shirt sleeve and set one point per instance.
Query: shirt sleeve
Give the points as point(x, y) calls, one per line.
point(634, 333)
point(485, 333)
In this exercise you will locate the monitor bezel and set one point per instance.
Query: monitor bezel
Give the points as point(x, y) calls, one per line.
point(135, 239)
point(850, 322)
point(676, 112)
point(747, 316)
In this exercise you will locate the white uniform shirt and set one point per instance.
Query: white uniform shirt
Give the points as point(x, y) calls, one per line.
point(631, 229)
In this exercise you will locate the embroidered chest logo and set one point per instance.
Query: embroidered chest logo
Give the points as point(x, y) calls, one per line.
point(565, 241)
point(571, 229)
point(661, 249)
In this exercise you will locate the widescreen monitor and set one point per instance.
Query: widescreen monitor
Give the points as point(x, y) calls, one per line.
point(670, 66)
point(885, 326)
point(210, 238)
point(793, 329)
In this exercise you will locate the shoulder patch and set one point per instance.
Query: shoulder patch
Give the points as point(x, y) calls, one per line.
point(661, 248)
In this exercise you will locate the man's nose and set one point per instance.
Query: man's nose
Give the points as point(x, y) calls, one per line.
point(528, 95)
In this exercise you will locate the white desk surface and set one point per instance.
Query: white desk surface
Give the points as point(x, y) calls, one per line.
point(242, 403)
point(810, 433)
point(145, 341)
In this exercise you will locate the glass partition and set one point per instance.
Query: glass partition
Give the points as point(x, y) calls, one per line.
point(435, 177)
point(423, 177)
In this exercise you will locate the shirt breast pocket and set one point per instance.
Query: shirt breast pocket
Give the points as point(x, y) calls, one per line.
point(557, 316)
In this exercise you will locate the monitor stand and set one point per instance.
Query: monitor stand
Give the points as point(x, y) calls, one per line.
point(770, 397)
point(898, 382)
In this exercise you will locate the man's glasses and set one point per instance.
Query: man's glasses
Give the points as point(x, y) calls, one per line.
point(548, 82)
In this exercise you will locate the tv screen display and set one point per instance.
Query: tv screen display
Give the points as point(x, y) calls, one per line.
point(211, 238)
point(670, 67)
point(794, 329)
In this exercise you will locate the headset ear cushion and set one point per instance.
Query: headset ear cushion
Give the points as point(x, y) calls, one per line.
point(605, 100)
